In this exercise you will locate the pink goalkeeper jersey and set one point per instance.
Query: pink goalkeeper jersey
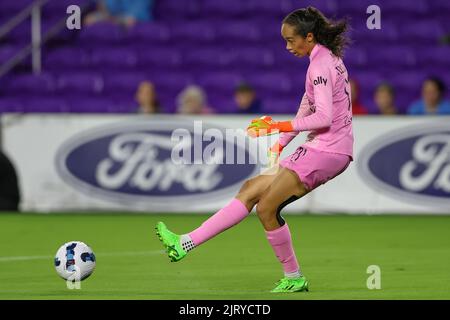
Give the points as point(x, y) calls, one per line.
point(326, 108)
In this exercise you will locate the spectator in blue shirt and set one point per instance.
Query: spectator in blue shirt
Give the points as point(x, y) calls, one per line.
point(127, 12)
point(246, 99)
point(432, 102)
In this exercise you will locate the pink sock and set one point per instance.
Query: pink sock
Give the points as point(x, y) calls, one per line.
point(225, 218)
point(281, 242)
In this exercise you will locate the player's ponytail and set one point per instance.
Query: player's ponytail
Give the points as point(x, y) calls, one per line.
point(331, 34)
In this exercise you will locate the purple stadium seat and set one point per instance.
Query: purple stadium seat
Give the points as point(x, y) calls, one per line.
point(220, 81)
point(3, 18)
point(21, 34)
point(446, 78)
point(275, 82)
point(83, 83)
point(267, 7)
point(171, 81)
point(14, 7)
point(126, 83)
point(178, 9)
point(284, 60)
point(367, 80)
point(423, 31)
point(11, 105)
point(253, 57)
point(65, 58)
point(149, 57)
point(167, 101)
point(123, 104)
point(355, 58)
point(355, 8)
point(440, 5)
point(435, 56)
point(90, 105)
point(101, 34)
point(387, 33)
point(405, 6)
point(404, 98)
point(239, 31)
point(150, 33)
point(229, 8)
point(7, 52)
point(207, 57)
point(271, 32)
point(47, 104)
point(442, 18)
point(408, 80)
point(63, 4)
point(216, 43)
point(114, 58)
point(222, 103)
point(326, 6)
point(280, 105)
point(197, 32)
point(53, 12)
point(42, 84)
point(297, 83)
point(391, 56)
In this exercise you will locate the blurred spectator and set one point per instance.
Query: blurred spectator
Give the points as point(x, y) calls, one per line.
point(246, 100)
point(127, 12)
point(192, 100)
point(9, 185)
point(147, 99)
point(357, 107)
point(384, 99)
point(432, 102)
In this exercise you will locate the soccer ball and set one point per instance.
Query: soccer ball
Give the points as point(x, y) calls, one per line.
point(74, 261)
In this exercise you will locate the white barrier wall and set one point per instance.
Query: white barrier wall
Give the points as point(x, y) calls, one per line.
point(125, 163)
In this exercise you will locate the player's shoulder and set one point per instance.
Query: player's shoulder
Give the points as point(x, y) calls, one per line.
point(325, 59)
point(319, 64)
point(324, 67)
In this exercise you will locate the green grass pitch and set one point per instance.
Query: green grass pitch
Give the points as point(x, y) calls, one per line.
point(413, 253)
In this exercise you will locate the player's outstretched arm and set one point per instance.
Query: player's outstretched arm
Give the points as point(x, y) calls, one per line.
point(323, 102)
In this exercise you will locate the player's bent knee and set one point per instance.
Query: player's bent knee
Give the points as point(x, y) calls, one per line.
point(246, 186)
point(264, 211)
point(249, 193)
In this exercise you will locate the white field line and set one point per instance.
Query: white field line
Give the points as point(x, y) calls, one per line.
point(100, 255)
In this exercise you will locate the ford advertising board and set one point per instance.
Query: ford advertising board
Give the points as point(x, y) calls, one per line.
point(411, 163)
point(132, 162)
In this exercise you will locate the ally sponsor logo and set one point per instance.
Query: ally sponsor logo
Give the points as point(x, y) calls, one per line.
point(130, 163)
point(411, 164)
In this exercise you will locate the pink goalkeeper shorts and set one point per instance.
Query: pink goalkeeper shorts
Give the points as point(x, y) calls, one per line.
point(315, 167)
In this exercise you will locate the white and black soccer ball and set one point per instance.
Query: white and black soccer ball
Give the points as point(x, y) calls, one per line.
point(74, 261)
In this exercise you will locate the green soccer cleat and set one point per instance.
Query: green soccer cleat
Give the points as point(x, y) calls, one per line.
point(171, 241)
point(291, 285)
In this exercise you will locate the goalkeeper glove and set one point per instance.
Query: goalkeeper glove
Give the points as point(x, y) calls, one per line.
point(266, 126)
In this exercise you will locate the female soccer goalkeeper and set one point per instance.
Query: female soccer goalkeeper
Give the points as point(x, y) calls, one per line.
point(325, 111)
